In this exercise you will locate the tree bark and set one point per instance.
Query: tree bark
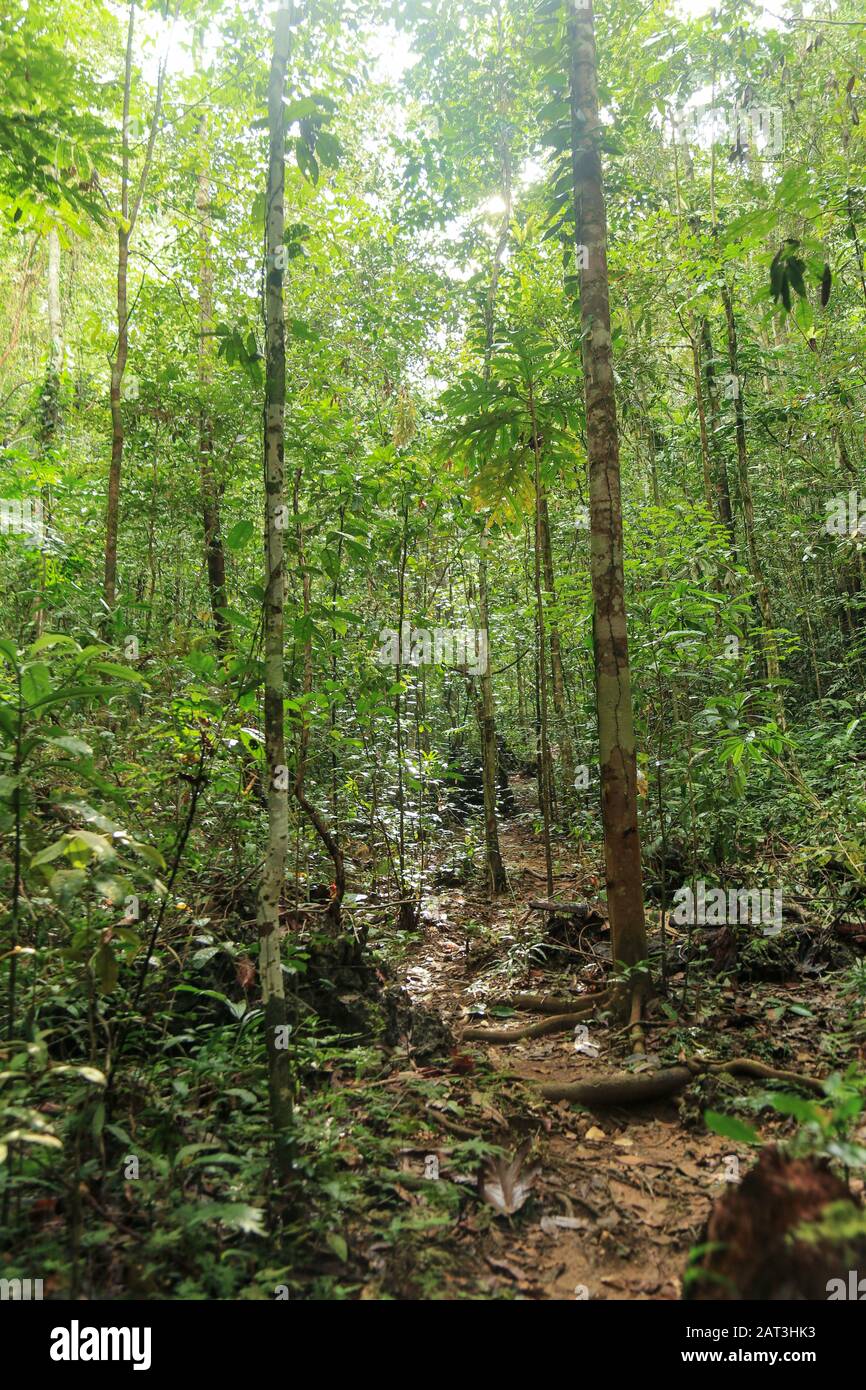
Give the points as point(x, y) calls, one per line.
point(747, 509)
point(317, 820)
point(543, 739)
point(118, 364)
point(496, 879)
point(720, 469)
point(210, 499)
point(557, 671)
point(617, 754)
point(273, 873)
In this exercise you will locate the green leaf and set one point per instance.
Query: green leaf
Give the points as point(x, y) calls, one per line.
point(338, 1244)
point(76, 746)
point(105, 968)
point(120, 673)
point(237, 1215)
point(240, 534)
point(54, 851)
point(35, 683)
point(731, 1128)
point(803, 1110)
point(51, 639)
point(9, 651)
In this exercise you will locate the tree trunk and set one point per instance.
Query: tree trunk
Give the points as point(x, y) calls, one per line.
point(557, 671)
point(617, 755)
point(746, 505)
point(273, 873)
point(210, 500)
point(316, 819)
point(543, 739)
point(702, 421)
point(496, 879)
point(722, 485)
point(118, 365)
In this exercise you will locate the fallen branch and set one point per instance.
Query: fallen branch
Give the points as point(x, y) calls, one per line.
point(582, 909)
point(629, 1089)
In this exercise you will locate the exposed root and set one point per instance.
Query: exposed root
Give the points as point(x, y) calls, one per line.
point(621, 1090)
point(552, 1003)
point(559, 1023)
point(632, 1090)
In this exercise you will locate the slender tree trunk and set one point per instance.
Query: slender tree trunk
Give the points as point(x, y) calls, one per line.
point(407, 917)
point(746, 504)
point(129, 214)
point(702, 421)
point(557, 671)
point(273, 873)
point(118, 365)
point(55, 319)
point(50, 404)
point(543, 733)
point(722, 485)
point(315, 817)
point(496, 879)
point(617, 754)
point(210, 500)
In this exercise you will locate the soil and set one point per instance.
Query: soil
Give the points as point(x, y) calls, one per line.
point(619, 1196)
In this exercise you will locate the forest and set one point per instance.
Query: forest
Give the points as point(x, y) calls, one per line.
point(433, 652)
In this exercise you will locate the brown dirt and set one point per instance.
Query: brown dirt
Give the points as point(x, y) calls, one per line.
point(622, 1196)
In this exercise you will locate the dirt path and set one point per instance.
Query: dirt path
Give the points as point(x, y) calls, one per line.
point(621, 1195)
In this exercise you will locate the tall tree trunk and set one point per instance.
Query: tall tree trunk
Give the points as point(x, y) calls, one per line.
point(129, 214)
point(496, 879)
point(720, 470)
point(557, 671)
point(50, 403)
point(210, 499)
point(544, 790)
point(273, 873)
point(706, 465)
point(118, 365)
point(617, 754)
point(315, 817)
point(746, 505)
point(55, 319)
point(407, 917)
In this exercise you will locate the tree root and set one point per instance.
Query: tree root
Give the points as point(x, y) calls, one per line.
point(552, 1003)
point(633, 1090)
point(559, 1023)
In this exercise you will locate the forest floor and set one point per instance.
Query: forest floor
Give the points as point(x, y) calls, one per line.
point(617, 1197)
